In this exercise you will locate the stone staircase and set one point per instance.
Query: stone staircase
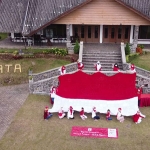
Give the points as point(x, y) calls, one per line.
point(106, 54)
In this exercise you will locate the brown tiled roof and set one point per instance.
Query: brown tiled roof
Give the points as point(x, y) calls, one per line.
point(142, 7)
point(28, 16)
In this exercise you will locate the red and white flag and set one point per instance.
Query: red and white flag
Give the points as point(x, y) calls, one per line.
point(105, 92)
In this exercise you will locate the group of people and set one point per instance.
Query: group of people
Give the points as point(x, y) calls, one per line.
point(98, 67)
point(137, 118)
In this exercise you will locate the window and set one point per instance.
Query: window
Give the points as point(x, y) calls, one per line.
point(82, 31)
point(144, 32)
point(119, 32)
point(89, 31)
point(126, 32)
point(96, 32)
point(106, 32)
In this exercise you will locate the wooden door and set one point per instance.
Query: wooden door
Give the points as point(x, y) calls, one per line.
point(92, 33)
point(105, 34)
point(112, 34)
point(123, 34)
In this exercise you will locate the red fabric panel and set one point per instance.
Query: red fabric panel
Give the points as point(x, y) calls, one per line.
point(91, 132)
point(145, 100)
point(80, 85)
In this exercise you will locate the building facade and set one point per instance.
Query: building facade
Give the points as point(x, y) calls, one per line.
point(90, 21)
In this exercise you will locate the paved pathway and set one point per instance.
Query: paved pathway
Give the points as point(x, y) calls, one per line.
point(11, 99)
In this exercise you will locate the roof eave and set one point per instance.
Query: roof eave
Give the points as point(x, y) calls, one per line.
point(134, 10)
point(60, 16)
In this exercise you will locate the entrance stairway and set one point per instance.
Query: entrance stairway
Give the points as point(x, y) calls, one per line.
point(107, 54)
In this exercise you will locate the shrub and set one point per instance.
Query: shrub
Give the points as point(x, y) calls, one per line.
point(127, 49)
point(132, 56)
point(139, 49)
point(76, 47)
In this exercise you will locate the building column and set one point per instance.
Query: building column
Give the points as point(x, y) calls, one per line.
point(101, 34)
point(68, 34)
point(135, 40)
point(71, 30)
point(131, 34)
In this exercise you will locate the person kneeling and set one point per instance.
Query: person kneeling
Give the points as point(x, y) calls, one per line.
point(137, 118)
point(120, 117)
point(83, 117)
point(108, 115)
point(47, 114)
point(70, 113)
point(61, 113)
point(94, 116)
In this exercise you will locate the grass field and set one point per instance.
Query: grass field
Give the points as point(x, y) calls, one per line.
point(29, 131)
point(3, 36)
point(143, 61)
point(38, 65)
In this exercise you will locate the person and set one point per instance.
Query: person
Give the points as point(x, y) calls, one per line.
point(120, 117)
point(132, 68)
point(52, 91)
point(83, 117)
point(47, 114)
point(139, 92)
point(70, 113)
point(61, 113)
point(80, 65)
point(115, 67)
point(108, 115)
point(98, 66)
point(137, 118)
point(62, 70)
point(94, 116)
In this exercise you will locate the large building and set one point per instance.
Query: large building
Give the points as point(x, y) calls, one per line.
point(92, 21)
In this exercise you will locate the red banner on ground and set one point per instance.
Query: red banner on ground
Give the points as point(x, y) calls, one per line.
point(94, 132)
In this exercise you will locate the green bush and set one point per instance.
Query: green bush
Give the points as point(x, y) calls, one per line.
point(76, 47)
point(141, 46)
point(127, 49)
point(130, 57)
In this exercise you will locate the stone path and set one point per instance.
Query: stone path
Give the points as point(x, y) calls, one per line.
point(11, 99)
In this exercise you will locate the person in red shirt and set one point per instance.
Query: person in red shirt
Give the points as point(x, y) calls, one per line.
point(80, 65)
point(137, 118)
point(61, 113)
point(108, 115)
point(47, 114)
point(62, 70)
point(139, 92)
point(83, 117)
point(115, 67)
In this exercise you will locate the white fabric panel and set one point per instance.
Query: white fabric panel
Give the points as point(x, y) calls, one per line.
point(129, 106)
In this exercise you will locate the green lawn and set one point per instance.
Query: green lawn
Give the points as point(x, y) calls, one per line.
point(29, 131)
point(3, 36)
point(38, 65)
point(142, 61)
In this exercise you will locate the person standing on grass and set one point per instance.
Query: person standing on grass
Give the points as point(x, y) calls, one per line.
point(70, 113)
point(83, 117)
point(108, 115)
point(47, 114)
point(61, 113)
point(120, 117)
point(94, 116)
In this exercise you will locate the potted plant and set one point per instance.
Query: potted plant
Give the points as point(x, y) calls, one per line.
point(30, 70)
point(30, 78)
point(139, 49)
